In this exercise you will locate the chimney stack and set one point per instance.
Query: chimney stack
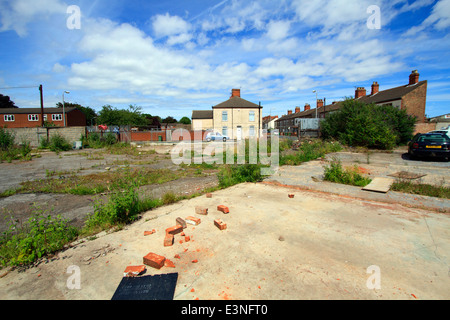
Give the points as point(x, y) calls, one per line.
point(297, 109)
point(289, 112)
point(307, 107)
point(319, 103)
point(235, 93)
point(375, 88)
point(360, 92)
point(414, 77)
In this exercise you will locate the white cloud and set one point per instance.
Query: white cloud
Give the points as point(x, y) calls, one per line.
point(16, 15)
point(167, 25)
point(278, 30)
point(439, 19)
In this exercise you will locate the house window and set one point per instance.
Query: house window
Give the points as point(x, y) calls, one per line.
point(33, 117)
point(225, 131)
point(45, 117)
point(224, 116)
point(8, 117)
point(57, 117)
point(252, 131)
point(251, 116)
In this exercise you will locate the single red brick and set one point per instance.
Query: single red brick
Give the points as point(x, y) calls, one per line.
point(201, 210)
point(147, 233)
point(219, 224)
point(224, 209)
point(209, 195)
point(132, 271)
point(193, 220)
point(154, 260)
point(181, 222)
point(175, 229)
point(177, 256)
point(187, 238)
point(169, 264)
point(168, 240)
point(182, 234)
point(290, 196)
point(194, 261)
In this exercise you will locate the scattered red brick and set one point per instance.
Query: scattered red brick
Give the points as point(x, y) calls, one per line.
point(194, 261)
point(187, 238)
point(132, 271)
point(193, 220)
point(224, 209)
point(177, 256)
point(219, 224)
point(201, 210)
point(168, 240)
point(209, 195)
point(175, 229)
point(192, 290)
point(154, 260)
point(181, 222)
point(169, 264)
point(147, 233)
point(290, 196)
point(182, 234)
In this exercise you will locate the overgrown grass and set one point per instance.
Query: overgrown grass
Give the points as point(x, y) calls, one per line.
point(9, 151)
point(423, 189)
point(230, 175)
point(42, 234)
point(309, 151)
point(336, 173)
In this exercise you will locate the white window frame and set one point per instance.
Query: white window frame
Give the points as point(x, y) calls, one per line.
point(225, 131)
point(224, 116)
point(251, 116)
point(33, 117)
point(57, 117)
point(9, 118)
point(45, 117)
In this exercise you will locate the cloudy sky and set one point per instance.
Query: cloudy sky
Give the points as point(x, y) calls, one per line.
point(171, 57)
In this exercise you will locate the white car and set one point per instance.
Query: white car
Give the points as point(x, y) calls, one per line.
point(216, 136)
point(443, 130)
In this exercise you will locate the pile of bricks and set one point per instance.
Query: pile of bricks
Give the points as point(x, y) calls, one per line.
point(157, 261)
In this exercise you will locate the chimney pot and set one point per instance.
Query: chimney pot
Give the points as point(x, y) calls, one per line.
point(414, 77)
point(289, 112)
point(375, 88)
point(297, 109)
point(307, 107)
point(319, 103)
point(360, 92)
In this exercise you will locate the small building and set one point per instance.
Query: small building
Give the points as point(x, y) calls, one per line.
point(236, 118)
point(31, 117)
point(269, 122)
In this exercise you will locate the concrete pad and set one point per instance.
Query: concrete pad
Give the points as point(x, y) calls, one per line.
point(379, 185)
point(329, 244)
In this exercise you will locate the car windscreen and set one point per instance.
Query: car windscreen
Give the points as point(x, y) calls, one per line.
point(435, 139)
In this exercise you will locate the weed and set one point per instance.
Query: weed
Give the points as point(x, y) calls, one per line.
point(169, 198)
point(408, 186)
point(336, 173)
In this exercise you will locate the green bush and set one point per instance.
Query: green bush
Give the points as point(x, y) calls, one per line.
point(6, 139)
point(336, 173)
point(310, 151)
point(59, 143)
point(41, 235)
point(368, 125)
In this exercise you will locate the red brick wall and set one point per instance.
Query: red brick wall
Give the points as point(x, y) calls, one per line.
point(415, 102)
point(148, 136)
point(425, 127)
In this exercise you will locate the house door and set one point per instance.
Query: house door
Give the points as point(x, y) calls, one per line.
point(239, 133)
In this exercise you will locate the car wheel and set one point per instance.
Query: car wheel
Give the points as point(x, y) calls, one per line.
point(208, 140)
point(224, 139)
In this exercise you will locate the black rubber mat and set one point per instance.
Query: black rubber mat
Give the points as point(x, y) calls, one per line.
point(157, 287)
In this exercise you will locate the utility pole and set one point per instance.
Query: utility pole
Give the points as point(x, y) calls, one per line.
point(42, 106)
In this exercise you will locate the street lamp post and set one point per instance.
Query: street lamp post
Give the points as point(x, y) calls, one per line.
point(315, 91)
point(64, 107)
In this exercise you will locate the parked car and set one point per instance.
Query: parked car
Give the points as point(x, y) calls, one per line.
point(432, 144)
point(442, 130)
point(211, 136)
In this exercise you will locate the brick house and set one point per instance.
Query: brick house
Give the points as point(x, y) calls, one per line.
point(235, 117)
point(410, 97)
point(31, 117)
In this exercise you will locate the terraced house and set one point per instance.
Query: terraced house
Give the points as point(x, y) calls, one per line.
point(236, 118)
point(410, 97)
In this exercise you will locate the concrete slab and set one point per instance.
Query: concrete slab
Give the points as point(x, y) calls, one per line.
point(329, 244)
point(379, 185)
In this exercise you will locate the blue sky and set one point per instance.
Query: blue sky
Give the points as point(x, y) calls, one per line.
point(172, 57)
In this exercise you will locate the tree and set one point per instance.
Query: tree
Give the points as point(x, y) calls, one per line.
point(368, 125)
point(185, 120)
point(90, 113)
point(169, 119)
point(5, 102)
point(120, 117)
